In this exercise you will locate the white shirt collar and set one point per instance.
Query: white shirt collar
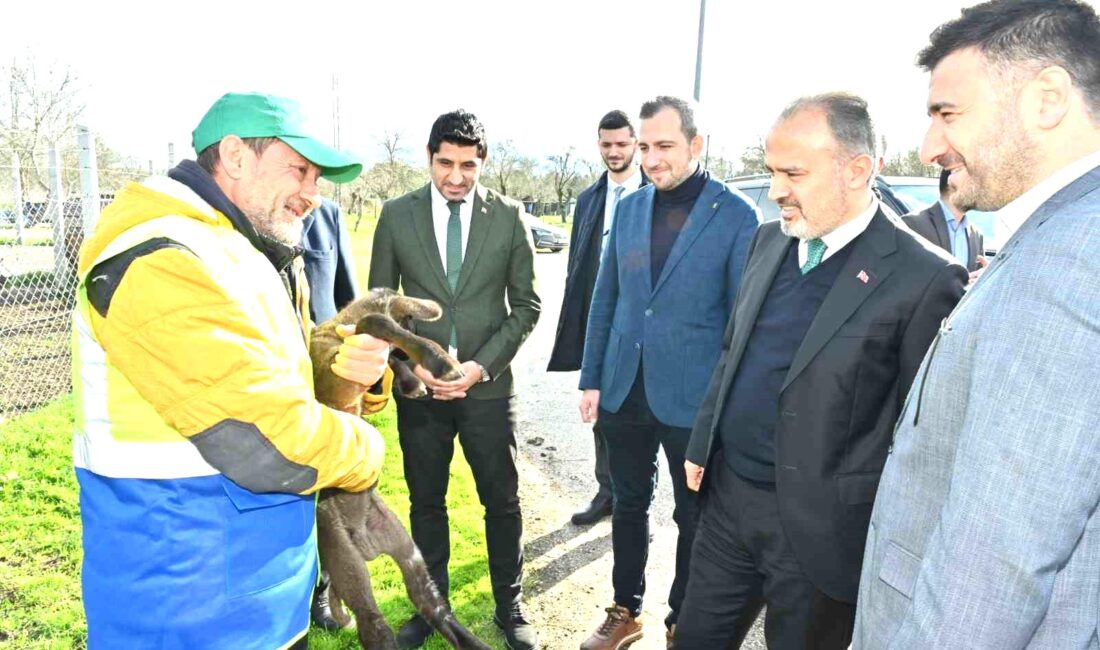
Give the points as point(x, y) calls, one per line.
point(440, 201)
point(629, 185)
point(441, 215)
point(1014, 214)
point(842, 235)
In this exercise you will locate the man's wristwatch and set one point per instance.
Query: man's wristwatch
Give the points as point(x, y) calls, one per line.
point(484, 375)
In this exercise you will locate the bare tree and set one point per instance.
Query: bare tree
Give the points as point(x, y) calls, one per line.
point(391, 142)
point(504, 163)
point(909, 164)
point(752, 160)
point(385, 180)
point(42, 107)
point(564, 179)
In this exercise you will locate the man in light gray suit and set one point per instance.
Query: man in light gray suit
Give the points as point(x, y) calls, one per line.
point(985, 531)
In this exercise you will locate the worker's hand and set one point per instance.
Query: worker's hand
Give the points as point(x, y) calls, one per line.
point(361, 357)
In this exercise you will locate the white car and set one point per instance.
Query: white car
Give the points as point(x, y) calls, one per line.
point(546, 236)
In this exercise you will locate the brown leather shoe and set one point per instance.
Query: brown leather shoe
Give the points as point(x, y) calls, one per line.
point(618, 631)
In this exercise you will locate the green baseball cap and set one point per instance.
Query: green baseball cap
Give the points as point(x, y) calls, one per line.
point(252, 115)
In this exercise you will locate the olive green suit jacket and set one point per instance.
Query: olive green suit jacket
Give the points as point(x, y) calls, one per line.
point(494, 306)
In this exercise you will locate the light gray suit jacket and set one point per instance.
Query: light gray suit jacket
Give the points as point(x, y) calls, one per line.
point(985, 531)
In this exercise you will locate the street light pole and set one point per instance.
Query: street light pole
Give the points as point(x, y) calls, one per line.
point(699, 68)
point(699, 50)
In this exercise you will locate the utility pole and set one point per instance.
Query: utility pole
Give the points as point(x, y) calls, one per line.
point(699, 68)
point(336, 124)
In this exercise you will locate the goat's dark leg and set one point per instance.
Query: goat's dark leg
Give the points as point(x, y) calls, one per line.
point(408, 384)
point(423, 351)
point(389, 536)
point(350, 580)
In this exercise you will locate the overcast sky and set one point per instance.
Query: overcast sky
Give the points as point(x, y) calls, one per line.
point(538, 73)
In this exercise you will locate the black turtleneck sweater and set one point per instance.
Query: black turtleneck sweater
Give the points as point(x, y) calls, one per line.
point(670, 212)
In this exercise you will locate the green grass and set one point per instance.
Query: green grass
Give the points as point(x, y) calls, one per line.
point(39, 532)
point(556, 220)
point(31, 236)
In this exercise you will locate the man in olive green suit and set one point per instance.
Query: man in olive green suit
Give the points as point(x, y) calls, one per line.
point(465, 247)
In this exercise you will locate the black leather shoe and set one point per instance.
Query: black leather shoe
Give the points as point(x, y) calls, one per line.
point(413, 633)
point(518, 633)
point(320, 611)
point(599, 508)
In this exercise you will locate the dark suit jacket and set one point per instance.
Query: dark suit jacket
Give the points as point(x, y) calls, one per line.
point(845, 387)
point(328, 263)
point(929, 223)
point(494, 307)
point(671, 329)
point(580, 276)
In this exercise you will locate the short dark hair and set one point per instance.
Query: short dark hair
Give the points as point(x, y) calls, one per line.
point(459, 127)
point(687, 116)
point(847, 116)
point(209, 157)
point(616, 119)
point(944, 175)
point(1064, 33)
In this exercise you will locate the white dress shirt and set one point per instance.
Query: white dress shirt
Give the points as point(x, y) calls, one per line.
point(842, 236)
point(629, 185)
point(441, 214)
point(1013, 215)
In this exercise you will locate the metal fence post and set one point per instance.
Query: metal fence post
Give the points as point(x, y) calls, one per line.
point(57, 206)
point(17, 196)
point(89, 179)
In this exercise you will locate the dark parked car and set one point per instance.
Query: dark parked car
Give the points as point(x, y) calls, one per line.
point(756, 188)
point(545, 235)
point(900, 195)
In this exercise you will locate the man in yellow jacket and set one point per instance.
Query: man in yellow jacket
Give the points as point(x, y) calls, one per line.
point(199, 444)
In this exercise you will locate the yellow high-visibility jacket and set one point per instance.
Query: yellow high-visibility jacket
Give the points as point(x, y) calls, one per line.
point(198, 440)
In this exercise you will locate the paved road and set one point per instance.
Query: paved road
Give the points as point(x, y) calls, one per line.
point(572, 566)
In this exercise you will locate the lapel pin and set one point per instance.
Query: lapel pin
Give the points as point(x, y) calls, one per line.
point(715, 206)
point(484, 210)
point(863, 277)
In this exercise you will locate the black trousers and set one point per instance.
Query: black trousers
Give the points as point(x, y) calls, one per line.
point(603, 470)
point(742, 561)
point(486, 429)
point(633, 436)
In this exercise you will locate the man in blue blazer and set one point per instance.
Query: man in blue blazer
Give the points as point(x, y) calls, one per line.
point(665, 289)
point(986, 529)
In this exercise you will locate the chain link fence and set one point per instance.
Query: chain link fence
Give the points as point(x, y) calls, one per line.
point(40, 236)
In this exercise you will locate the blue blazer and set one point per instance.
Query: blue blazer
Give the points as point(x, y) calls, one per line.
point(329, 267)
point(672, 328)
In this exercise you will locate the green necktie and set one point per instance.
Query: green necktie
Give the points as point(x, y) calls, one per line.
point(815, 250)
point(454, 257)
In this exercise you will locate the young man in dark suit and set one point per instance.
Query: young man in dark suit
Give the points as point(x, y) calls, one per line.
point(946, 226)
point(837, 309)
point(592, 221)
point(466, 247)
point(665, 288)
